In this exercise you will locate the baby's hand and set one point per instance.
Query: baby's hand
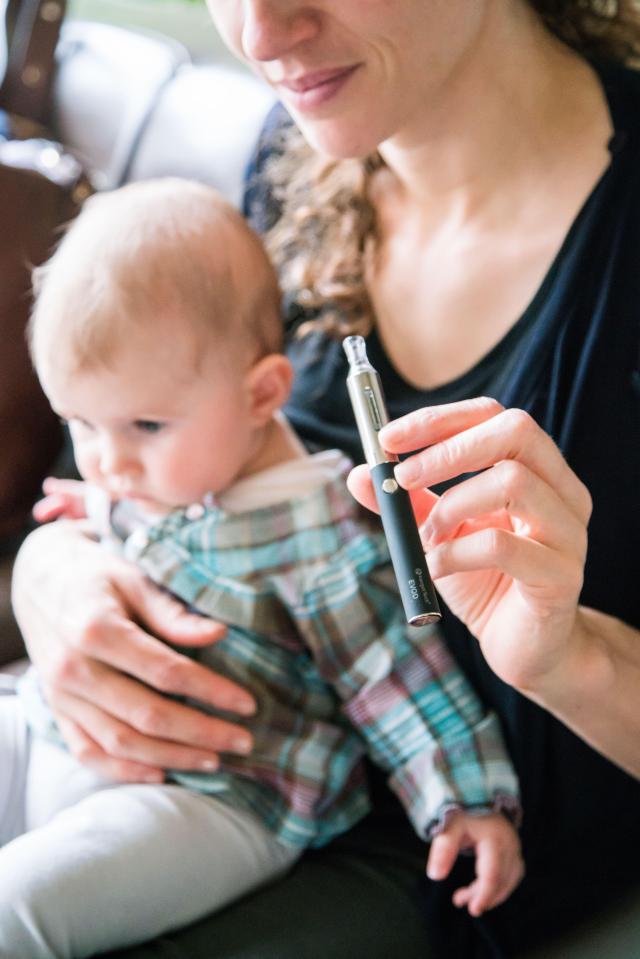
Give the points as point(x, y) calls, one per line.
point(63, 499)
point(499, 865)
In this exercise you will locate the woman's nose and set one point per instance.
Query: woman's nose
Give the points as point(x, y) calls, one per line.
point(271, 28)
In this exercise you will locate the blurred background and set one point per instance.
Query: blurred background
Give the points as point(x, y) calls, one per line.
point(186, 20)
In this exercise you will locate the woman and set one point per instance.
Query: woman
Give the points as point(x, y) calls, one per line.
point(491, 230)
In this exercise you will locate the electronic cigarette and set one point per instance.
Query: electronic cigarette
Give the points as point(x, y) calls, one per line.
point(398, 520)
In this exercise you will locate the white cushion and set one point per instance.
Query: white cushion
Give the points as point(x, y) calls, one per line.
point(132, 106)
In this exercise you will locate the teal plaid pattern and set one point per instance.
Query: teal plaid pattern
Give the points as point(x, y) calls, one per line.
point(317, 633)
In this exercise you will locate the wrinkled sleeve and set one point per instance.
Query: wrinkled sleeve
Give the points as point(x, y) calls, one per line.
point(421, 720)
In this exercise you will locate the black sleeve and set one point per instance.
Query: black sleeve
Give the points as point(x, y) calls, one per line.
point(259, 205)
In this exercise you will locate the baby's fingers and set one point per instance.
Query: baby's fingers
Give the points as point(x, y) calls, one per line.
point(57, 505)
point(512, 880)
point(462, 897)
point(497, 875)
point(444, 852)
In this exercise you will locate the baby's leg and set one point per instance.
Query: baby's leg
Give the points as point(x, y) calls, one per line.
point(55, 780)
point(127, 864)
point(37, 778)
point(14, 760)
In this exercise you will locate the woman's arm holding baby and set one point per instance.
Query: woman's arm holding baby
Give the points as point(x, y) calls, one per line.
point(90, 621)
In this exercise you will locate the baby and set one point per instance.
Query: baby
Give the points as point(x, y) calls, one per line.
point(157, 337)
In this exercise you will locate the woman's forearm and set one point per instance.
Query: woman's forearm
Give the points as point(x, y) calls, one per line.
point(595, 689)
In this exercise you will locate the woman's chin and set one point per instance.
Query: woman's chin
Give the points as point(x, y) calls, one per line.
point(340, 141)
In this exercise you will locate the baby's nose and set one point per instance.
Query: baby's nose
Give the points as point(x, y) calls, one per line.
point(115, 459)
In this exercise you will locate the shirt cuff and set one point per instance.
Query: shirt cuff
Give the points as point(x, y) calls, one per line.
point(508, 806)
point(470, 772)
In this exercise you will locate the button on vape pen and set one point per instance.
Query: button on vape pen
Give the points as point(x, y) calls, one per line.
point(389, 486)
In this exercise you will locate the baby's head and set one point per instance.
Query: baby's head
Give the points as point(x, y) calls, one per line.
point(156, 333)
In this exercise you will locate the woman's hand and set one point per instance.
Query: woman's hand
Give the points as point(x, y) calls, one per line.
point(89, 621)
point(506, 545)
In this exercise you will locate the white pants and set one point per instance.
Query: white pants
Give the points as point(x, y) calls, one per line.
point(87, 865)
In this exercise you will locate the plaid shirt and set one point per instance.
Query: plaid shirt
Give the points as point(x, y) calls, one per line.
point(317, 633)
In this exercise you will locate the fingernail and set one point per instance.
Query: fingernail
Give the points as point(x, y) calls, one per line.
point(246, 707)
point(241, 744)
point(408, 473)
point(208, 765)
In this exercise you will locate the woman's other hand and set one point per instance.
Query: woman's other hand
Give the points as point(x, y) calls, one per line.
point(507, 544)
point(89, 621)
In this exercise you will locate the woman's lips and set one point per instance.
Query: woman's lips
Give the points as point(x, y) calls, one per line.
point(313, 89)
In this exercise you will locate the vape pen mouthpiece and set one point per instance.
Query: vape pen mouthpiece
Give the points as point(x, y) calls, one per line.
point(354, 347)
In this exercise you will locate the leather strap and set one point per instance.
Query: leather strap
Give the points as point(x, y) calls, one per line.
point(32, 30)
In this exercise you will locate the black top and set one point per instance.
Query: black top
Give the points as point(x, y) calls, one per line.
point(572, 361)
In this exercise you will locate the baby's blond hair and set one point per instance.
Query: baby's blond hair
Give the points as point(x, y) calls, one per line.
point(151, 253)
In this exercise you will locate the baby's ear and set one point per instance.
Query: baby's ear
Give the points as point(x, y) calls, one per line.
point(269, 383)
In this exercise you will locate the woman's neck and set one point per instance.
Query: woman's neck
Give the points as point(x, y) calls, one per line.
point(513, 105)
point(477, 198)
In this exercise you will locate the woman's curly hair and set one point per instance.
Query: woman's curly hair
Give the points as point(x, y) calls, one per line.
point(324, 239)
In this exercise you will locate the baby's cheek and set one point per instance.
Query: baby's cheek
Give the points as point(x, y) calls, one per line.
point(180, 479)
point(86, 464)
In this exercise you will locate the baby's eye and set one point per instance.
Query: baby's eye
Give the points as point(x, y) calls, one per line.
point(148, 426)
